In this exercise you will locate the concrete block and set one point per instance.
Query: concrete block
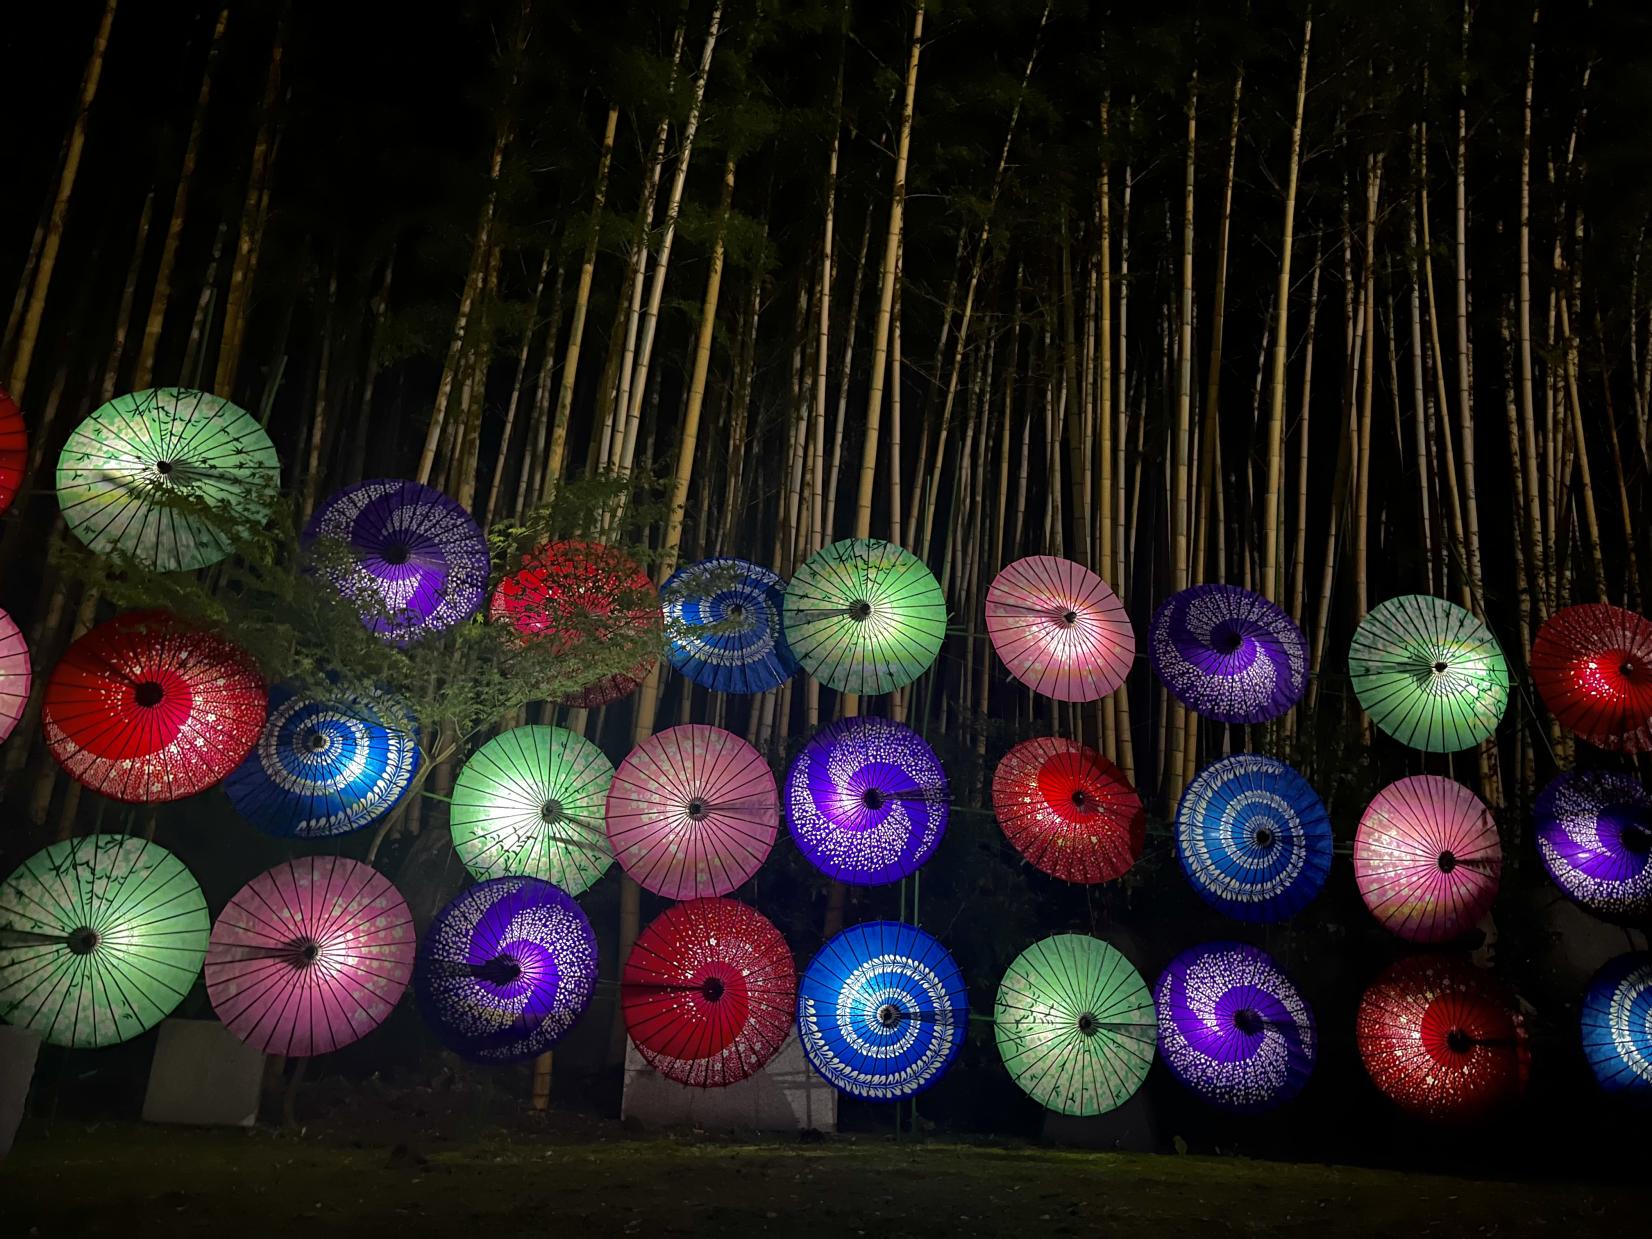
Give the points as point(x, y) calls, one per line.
point(19, 1047)
point(201, 1074)
point(786, 1095)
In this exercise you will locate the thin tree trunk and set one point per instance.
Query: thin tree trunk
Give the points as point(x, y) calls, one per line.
point(490, 511)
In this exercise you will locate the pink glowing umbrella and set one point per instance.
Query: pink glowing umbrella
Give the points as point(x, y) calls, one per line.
point(692, 812)
point(310, 956)
point(1059, 629)
point(15, 675)
point(1427, 858)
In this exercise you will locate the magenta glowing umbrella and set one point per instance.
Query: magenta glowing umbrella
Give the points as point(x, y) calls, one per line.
point(1228, 654)
point(310, 956)
point(1594, 835)
point(1427, 858)
point(1059, 629)
point(15, 674)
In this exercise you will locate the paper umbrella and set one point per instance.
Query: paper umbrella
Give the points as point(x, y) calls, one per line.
point(1427, 858)
point(1059, 629)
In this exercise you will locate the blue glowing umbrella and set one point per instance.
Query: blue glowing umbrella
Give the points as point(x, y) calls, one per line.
point(722, 619)
point(882, 1011)
point(1228, 654)
point(1617, 1026)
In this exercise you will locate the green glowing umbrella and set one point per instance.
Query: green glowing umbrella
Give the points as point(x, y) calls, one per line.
point(1075, 1025)
point(100, 938)
point(1429, 674)
point(529, 803)
point(864, 616)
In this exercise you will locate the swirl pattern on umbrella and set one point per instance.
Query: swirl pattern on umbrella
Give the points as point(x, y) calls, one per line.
point(101, 937)
point(310, 956)
point(1594, 835)
point(708, 992)
point(166, 476)
point(1429, 673)
point(530, 802)
point(1427, 858)
point(1593, 666)
point(326, 766)
point(1059, 629)
point(505, 969)
point(692, 812)
point(1617, 1026)
point(864, 616)
point(16, 674)
point(724, 628)
point(1074, 1025)
point(412, 560)
point(14, 448)
point(1233, 1028)
point(147, 708)
point(1442, 1039)
point(1068, 810)
point(1228, 654)
point(882, 1011)
point(867, 801)
point(1254, 838)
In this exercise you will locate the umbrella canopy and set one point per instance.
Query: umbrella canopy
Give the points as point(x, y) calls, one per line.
point(1427, 858)
point(1253, 838)
point(326, 765)
point(101, 936)
point(16, 675)
point(530, 802)
point(412, 560)
point(166, 477)
point(692, 812)
point(14, 448)
point(864, 616)
point(147, 708)
point(310, 956)
point(723, 626)
point(1233, 1028)
point(1429, 673)
point(1074, 1024)
point(1617, 1026)
point(1059, 629)
point(505, 969)
point(1442, 1039)
point(1593, 666)
point(708, 992)
point(583, 598)
point(1228, 654)
point(1068, 810)
point(867, 801)
point(882, 1011)
point(1594, 833)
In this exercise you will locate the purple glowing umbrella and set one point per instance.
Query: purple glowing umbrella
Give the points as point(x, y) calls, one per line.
point(866, 801)
point(1594, 833)
point(1228, 654)
point(1233, 1028)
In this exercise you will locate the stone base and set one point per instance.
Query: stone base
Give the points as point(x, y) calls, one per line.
point(203, 1075)
point(18, 1049)
point(785, 1096)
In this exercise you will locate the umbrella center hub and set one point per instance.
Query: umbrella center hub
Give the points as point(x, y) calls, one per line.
point(1088, 1024)
point(84, 941)
point(165, 468)
point(1637, 838)
point(697, 811)
point(1227, 641)
point(1459, 1041)
point(550, 811)
point(1248, 1021)
point(712, 989)
point(306, 951)
point(148, 694)
point(1069, 618)
point(889, 1015)
point(1080, 798)
point(860, 611)
point(737, 610)
point(1264, 837)
point(500, 970)
point(872, 798)
point(396, 553)
point(1441, 667)
point(1448, 861)
point(1627, 669)
point(315, 740)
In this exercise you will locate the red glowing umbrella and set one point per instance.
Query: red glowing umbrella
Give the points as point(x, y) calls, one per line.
point(14, 448)
point(1442, 1039)
point(708, 992)
point(146, 708)
point(1427, 858)
point(1059, 629)
point(15, 674)
point(1068, 810)
point(310, 956)
point(1593, 666)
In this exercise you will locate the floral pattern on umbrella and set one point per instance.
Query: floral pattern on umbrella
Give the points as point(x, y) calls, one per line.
point(1228, 654)
point(1427, 858)
point(1616, 1021)
point(1059, 629)
point(1592, 664)
point(1068, 810)
point(723, 626)
point(14, 449)
point(1594, 835)
point(16, 675)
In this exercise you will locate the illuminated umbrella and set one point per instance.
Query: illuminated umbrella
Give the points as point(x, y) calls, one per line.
point(708, 992)
point(1442, 1039)
point(1074, 1024)
point(326, 765)
point(1429, 674)
point(15, 674)
point(585, 597)
point(1427, 858)
point(1253, 838)
point(530, 802)
point(1594, 833)
point(101, 936)
point(1228, 654)
point(310, 956)
point(864, 616)
point(1068, 810)
point(1059, 629)
point(1593, 666)
point(692, 812)
point(1233, 1028)
point(411, 559)
point(166, 476)
point(146, 708)
point(14, 449)
point(505, 969)
point(867, 800)
point(1617, 1026)
point(882, 1011)
point(723, 624)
